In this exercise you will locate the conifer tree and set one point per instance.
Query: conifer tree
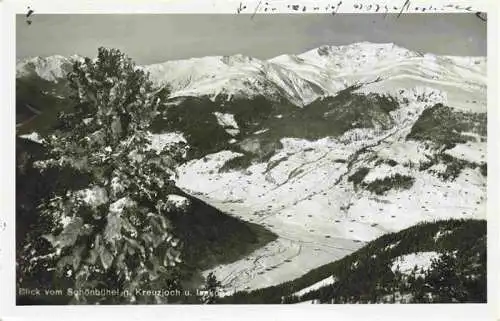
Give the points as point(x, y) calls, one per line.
point(210, 289)
point(116, 233)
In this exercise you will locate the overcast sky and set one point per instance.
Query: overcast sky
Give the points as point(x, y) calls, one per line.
point(156, 38)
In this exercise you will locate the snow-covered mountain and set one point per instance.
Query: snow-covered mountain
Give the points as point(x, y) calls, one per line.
point(320, 72)
point(303, 78)
point(51, 68)
point(352, 165)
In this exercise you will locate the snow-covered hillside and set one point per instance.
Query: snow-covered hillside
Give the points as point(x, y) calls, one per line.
point(304, 194)
point(303, 78)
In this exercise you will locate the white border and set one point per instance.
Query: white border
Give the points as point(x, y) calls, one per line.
point(9, 311)
point(493, 183)
point(230, 6)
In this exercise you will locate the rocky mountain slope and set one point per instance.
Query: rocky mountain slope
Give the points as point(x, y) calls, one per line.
point(329, 149)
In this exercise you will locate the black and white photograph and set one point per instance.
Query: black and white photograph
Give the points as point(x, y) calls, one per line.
point(248, 158)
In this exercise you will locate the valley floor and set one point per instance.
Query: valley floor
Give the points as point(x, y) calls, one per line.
point(294, 253)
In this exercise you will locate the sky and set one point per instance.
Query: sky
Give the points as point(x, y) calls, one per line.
point(153, 38)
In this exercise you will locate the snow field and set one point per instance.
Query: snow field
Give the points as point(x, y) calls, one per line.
point(474, 152)
point(421, 260)
point(318, 285)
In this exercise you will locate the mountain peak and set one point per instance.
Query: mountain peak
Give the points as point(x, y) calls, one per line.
point(237, 59)
point(50, 68)
point(360, 48)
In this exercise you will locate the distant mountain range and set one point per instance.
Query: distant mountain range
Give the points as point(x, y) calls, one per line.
point(299, 79)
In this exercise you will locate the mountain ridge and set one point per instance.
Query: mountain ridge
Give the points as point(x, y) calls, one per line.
point(300, 79)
